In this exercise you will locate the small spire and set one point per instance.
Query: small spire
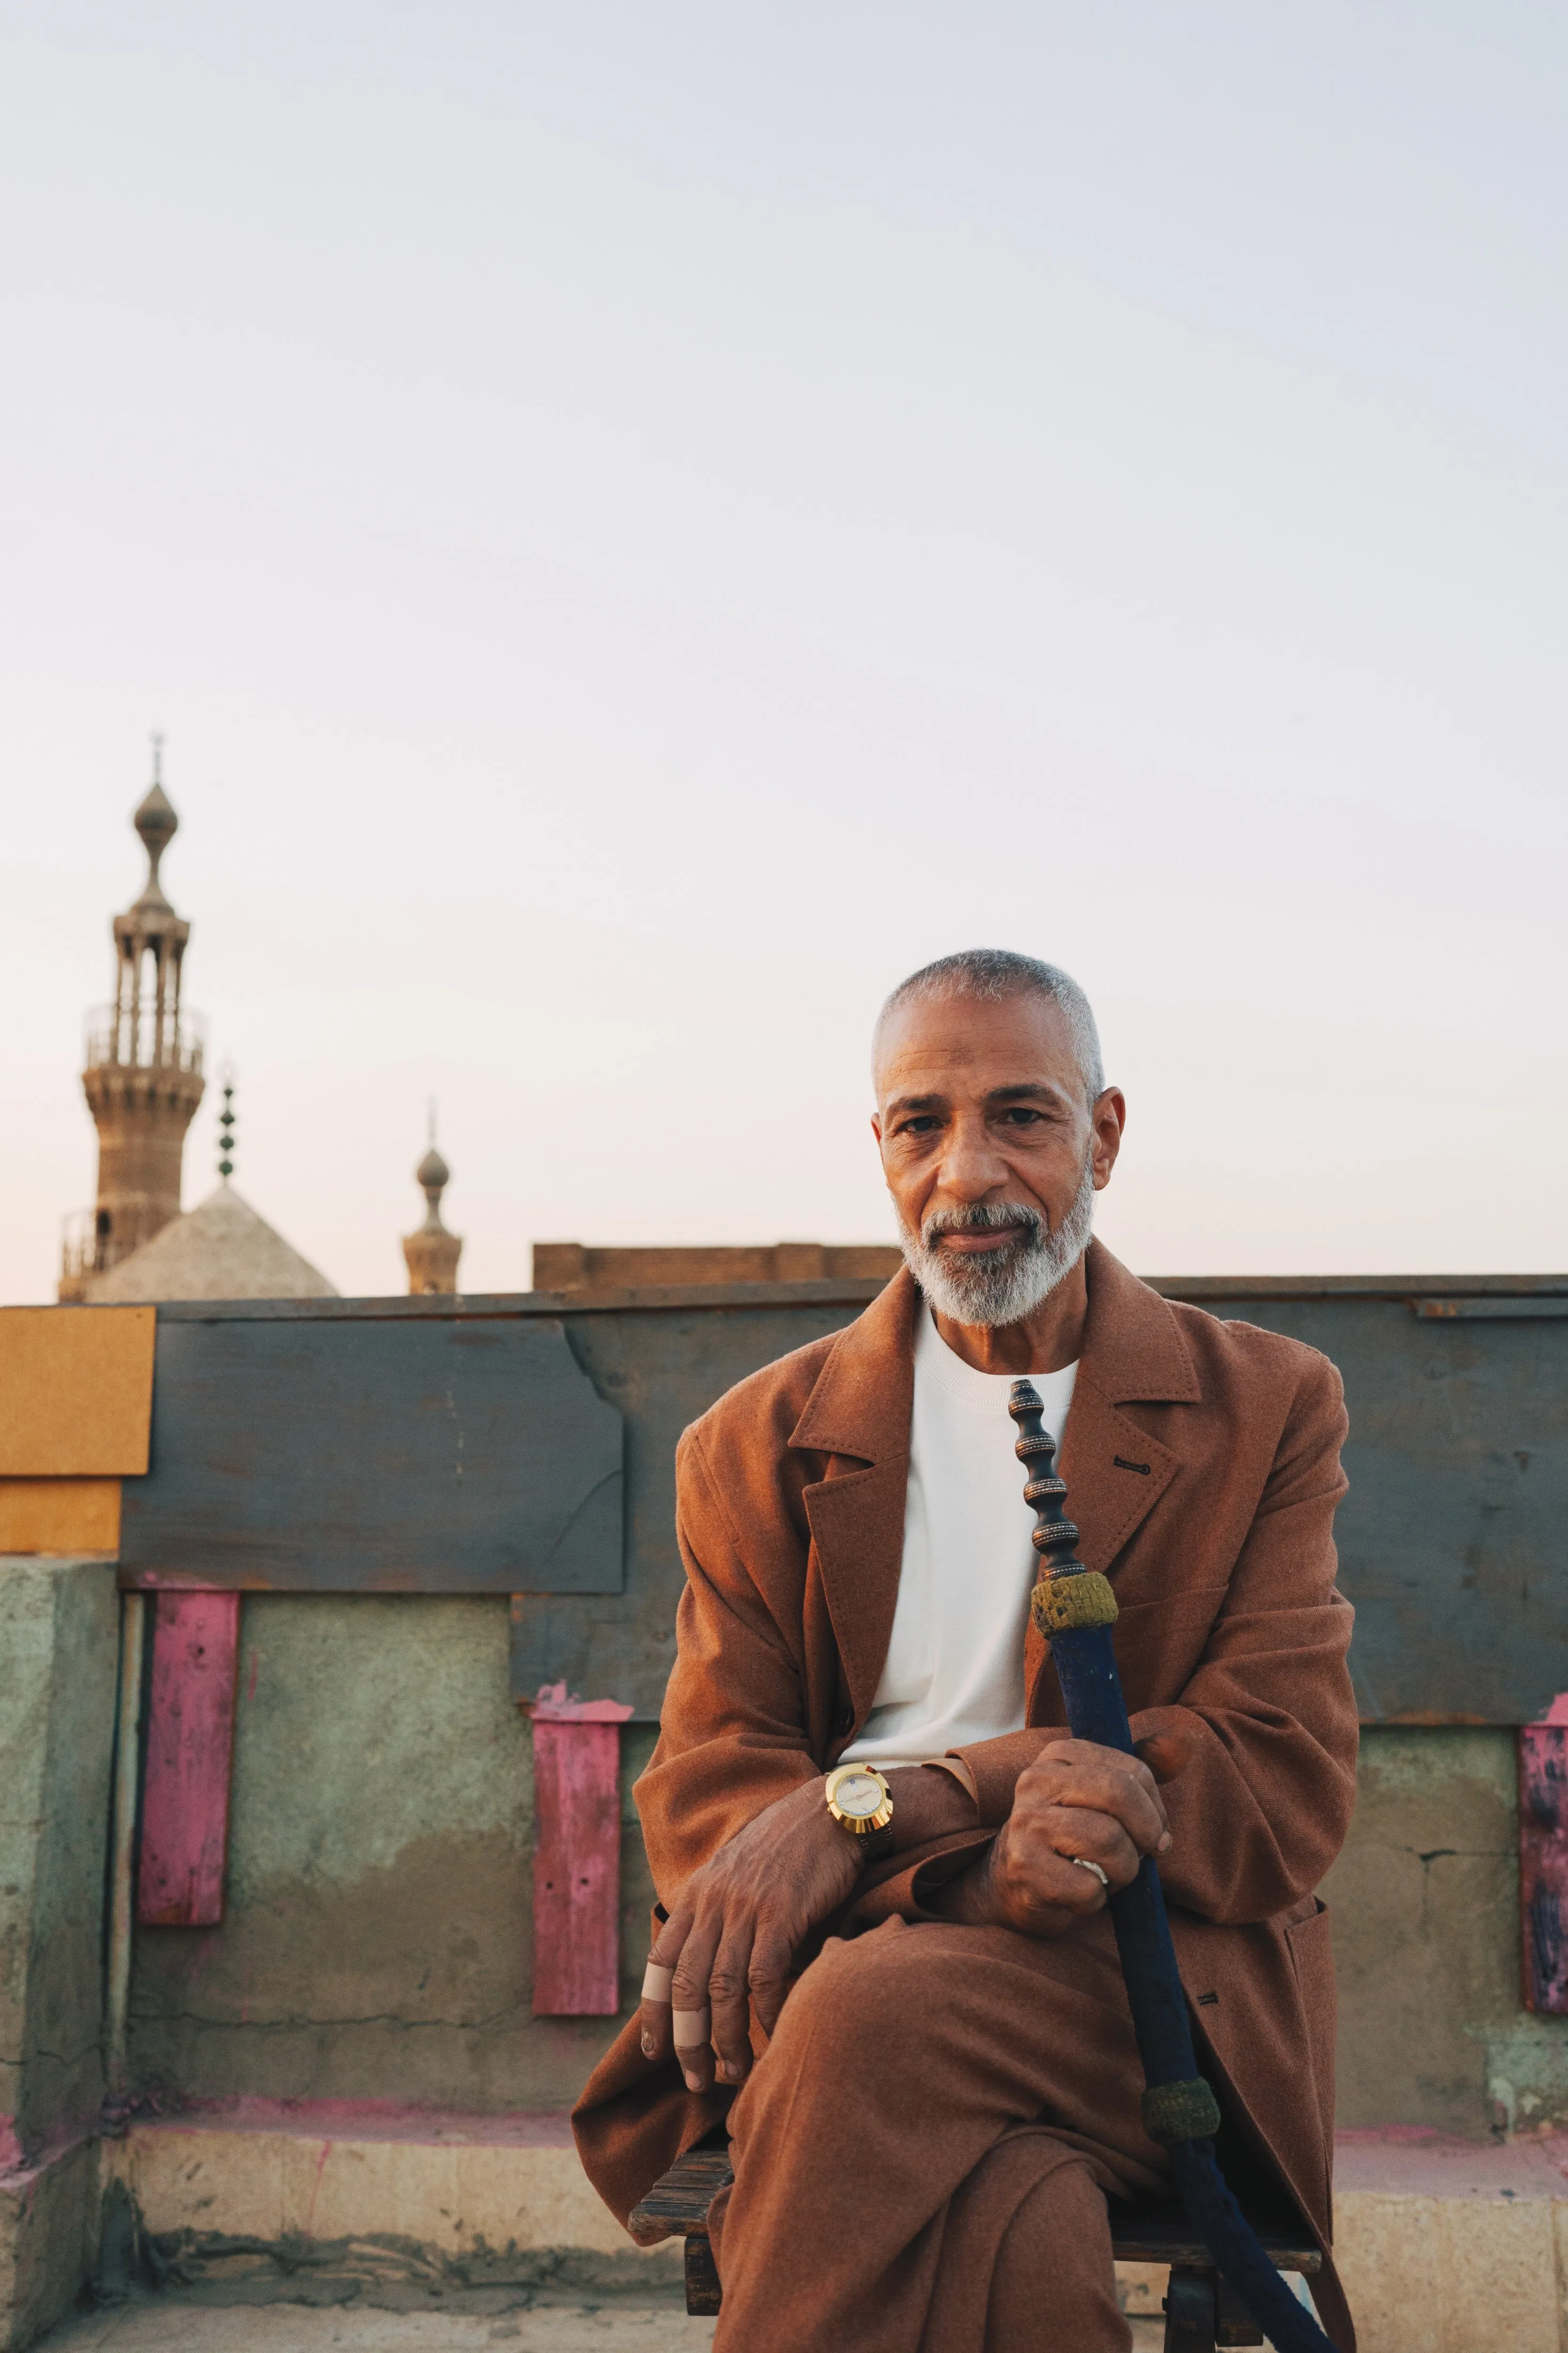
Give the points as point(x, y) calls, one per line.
point(225, 1125)
point(432, 1173)
point(431, 1252)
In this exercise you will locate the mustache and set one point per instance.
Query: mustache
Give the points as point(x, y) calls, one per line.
point(986, 1217)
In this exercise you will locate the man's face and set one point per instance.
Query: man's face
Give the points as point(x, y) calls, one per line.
point(980, 1105)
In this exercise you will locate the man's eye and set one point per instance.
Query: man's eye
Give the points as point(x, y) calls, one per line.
point(922, 1123)
point(1020, 1115)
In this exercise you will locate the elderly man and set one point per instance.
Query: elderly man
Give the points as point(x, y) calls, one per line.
point(897, 1982)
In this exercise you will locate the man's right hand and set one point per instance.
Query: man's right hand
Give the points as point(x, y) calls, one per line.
point(734, 1929)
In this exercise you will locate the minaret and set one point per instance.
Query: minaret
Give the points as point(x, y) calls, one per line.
point(143, 1077)
point(431, 1252)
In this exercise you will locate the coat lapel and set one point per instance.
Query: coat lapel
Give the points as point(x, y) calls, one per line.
point(859, 1415)
point(1133, 1354)
point(1116, 1472)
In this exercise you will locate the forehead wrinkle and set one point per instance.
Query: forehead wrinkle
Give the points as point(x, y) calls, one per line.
point(1010, 1091)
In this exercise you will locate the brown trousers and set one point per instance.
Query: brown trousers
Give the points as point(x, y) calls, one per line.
point(923, 2151)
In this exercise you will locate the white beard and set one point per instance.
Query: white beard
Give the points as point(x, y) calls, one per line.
point(1006, 1284)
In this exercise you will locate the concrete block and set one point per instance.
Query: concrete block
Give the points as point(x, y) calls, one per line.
point(48, 2239)
point(1426, 1920)
point(447, 2196)
point(1434, 2275)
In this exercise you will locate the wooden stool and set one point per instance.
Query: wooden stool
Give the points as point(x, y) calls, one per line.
point(1200, 2313)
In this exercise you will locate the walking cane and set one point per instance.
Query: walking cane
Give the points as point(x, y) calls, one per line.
point(1074, 1608)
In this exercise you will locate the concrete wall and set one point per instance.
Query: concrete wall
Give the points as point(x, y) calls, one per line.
point(378, 1933)
point(58, 1656)
point(1432, 2027)
point(378, 1937)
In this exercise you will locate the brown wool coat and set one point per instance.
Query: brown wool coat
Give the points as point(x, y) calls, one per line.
point(1201, 1463)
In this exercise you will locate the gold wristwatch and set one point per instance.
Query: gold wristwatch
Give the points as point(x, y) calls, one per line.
point(860, 1802)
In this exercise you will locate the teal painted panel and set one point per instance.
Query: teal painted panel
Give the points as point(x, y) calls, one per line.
point(334, 1455)
point(1453, 1537)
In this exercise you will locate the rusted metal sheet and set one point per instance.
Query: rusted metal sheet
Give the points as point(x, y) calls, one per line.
point(1452, 1538)
point(576, 1856)
point(1544, 1863)
point(663, 1366)
point(371, 1454)
point(190, 1753)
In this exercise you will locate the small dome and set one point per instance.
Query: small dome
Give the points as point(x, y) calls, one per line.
point(432, 1171)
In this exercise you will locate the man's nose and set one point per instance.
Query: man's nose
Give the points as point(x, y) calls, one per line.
point(972, 1169)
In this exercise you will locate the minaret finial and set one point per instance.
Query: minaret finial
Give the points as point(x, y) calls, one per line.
point(225, 1123)
point(432, 1252)
point(156, 823)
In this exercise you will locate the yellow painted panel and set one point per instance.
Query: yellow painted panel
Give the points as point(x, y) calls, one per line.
point(76, 1391)
point(59, 1515)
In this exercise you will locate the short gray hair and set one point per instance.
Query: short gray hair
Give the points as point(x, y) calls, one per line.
point(994, 973)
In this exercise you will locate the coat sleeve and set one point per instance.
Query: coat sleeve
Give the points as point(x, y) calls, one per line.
point(732, 1733)
point(1263, 1807)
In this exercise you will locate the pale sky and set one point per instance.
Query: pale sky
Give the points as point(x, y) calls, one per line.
point(644, 523)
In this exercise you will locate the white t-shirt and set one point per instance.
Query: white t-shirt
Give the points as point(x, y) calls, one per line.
point(955, 1662)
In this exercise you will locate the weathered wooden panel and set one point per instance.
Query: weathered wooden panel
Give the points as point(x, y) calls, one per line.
point(190, 1752)
point(375, 1454)
point(1543, 1865)
point(75, 1387)
point(576, 1863)
point(59, 1515)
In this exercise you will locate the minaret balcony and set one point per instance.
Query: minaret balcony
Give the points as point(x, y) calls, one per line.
point(137, 1037)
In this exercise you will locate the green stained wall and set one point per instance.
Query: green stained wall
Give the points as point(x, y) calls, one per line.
point(378, 1933)
point(58, 1660)
point(1425, 1911)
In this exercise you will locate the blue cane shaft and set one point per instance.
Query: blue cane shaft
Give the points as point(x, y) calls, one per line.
point(1075, 1609)
point(1085, 1662)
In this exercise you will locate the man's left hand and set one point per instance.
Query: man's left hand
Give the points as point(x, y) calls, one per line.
point(1083, 1819)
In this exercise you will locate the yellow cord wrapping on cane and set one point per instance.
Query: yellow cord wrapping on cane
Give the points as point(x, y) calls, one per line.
point(1061, 1604)
point(1177, 2112)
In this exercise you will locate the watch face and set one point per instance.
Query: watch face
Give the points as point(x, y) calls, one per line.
point(859, 1795)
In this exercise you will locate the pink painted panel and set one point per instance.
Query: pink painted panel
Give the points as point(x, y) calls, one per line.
point(1543, 1864)
point(190, 1751)
point(576, 1868)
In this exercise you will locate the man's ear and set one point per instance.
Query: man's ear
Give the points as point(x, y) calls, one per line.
point(1109, 1119)
point(877, 1128)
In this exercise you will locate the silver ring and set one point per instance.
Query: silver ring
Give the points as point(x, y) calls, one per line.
point(1084, 1863)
